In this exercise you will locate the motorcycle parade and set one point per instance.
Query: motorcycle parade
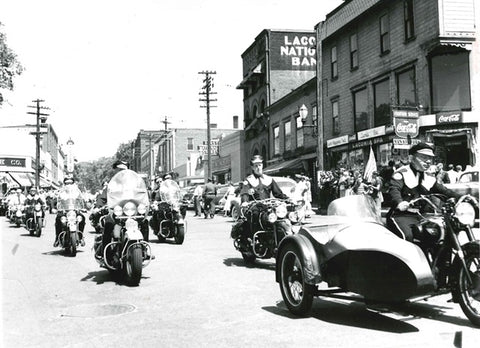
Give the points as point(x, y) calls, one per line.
point(238, 185)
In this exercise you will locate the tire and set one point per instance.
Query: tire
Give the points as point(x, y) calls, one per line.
point(465, 292)
point(180, 234)
point(73, 245)
point(297, 295)
point(133, 266)
point(161, 238)
point(235, 213)
point(248, 257)
point(38, 228)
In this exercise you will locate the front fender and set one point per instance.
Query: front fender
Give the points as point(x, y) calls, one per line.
point(307, 253)
point(133, 234)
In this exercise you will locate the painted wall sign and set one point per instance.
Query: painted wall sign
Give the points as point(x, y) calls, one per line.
point(13, 162)
point(449, 117)
point(292, 51)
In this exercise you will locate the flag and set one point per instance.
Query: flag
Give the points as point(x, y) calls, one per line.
point(370, 167)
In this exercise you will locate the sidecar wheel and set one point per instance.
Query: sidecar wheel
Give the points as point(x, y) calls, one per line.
point(248, 257)
point(133, 266)
point(180, 235)
point(297, 295)
point(469, 294)
point(235, 213)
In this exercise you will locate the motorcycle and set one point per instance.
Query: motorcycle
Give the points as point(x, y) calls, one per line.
point(169, 214)
point(261, 227)
point(128, 252)
point(17, 214)
point(35, 221)
point(69, 215)
point(352, 251)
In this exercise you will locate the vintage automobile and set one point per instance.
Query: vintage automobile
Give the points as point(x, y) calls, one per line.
point(467, 183)
point(352, 252)
point(187, 198)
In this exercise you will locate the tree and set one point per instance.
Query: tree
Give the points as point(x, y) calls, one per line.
point(9, 65)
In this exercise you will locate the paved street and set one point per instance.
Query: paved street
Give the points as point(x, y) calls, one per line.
point(196, 294)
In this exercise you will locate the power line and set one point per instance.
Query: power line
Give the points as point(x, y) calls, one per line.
point(41, 119)
point(207, 87)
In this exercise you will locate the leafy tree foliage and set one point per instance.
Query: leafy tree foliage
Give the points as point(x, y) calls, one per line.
point(9, 65)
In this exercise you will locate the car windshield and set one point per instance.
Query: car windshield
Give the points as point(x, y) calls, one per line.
point(125, 186)
point(468, 177)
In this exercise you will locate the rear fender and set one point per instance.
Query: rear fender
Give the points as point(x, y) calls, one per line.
point(307, 253)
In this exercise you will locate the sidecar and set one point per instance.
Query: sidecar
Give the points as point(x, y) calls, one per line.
point(350, 251)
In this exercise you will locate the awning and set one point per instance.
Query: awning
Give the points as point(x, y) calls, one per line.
point(44, 183)
point(248, 79)
point(22, 179)
point(290, 164)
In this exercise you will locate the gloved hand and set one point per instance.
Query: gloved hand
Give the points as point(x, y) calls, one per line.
point(402, 206)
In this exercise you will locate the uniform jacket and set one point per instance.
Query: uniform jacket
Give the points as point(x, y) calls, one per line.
point(210, 189)
point(263, 186)
point(405, 186)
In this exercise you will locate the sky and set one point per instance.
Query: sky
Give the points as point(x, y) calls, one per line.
point(109, 68)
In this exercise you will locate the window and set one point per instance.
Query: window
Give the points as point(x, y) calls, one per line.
point(190, 144)
point(333, 62)
point(406, 88)
point(335, 120)
point(314, 114)
point(287, 135)
point(408, 19)
point(381, 113)
point(450, 82)
point(353, 52)
point(299, 124)
point(276, 140)
point(360, 109)
point(384, 35)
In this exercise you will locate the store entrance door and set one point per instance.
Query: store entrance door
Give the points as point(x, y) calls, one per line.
point(453, 150)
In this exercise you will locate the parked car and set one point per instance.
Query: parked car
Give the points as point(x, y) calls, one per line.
point(467, 183)
point(187, 198)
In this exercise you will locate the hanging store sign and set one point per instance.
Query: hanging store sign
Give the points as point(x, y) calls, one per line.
point(402, 143)
point(449, 117)
point(371, 133)
point(13, 162)
point(337, 141)
point(406, 123)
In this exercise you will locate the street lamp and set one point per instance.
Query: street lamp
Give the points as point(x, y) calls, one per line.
point(303, 112)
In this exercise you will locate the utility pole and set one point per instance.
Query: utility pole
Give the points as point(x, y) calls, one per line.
point(165, 150)
point(207, 87)
point(41, 119)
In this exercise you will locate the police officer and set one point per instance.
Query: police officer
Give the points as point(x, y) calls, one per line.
point(409, 182)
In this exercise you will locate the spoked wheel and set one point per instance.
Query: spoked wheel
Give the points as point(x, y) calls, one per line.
point(133, 266)
point(180, 235)
point(73, 245)
point(38, 228)
point(248, 257)
point(297, 295)
point(469, 292)
point(235, 213)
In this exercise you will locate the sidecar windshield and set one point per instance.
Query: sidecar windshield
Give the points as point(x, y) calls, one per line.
point(170, 191)
point(70, 198)
point(356, 207)
point(125, 186)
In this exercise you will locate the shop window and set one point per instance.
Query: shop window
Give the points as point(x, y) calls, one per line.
point(353, 51)
point(333, 62)
point(335, 119)
point(385, 154)
point(450, 82)
point(408, 20)
point(276, 140)
point(189, 144)
point(287, 135)
point(382, 113)
point(384, 34)
point(299, 127)
point(406, 88)
point(360, 109)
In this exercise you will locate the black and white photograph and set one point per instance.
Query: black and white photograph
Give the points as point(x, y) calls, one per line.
point(268, 173)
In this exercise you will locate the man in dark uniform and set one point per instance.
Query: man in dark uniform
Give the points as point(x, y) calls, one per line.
point(409, 182)
point(209, 194)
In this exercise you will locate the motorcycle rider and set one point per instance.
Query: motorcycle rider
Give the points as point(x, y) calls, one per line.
point(68, 183)
point(409, 182)
point(209, 194)
point(33, 198)
point(18, 198)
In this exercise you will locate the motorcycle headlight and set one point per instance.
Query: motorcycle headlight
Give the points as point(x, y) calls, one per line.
point(38, 207)
point(272, 217)
point(129, 209)
point(63, 219)
point(281, 211)
point(117, 210)
point(72, 216)
point(465, 213)
point(131, 224)
point(142, 209)
point(293, 216)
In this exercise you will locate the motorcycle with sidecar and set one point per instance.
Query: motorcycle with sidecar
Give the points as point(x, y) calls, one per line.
point(127, 253)
point(168, 214)
point(352, 251)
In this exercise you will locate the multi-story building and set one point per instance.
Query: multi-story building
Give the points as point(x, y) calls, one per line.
point(397, 72)
point(277, 62)
point(144, 151)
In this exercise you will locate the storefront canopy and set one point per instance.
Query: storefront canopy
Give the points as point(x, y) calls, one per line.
point(290, 164)
point(22, 179)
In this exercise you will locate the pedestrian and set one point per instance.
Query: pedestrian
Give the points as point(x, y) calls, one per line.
point(442, 175)
point(228, 197)
point(376, 191)
point(197, 196)
point(209, 194)
point(452, 174)
point(308, 196)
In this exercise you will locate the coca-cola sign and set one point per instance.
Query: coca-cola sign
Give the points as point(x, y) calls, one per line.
point(449, 117)
point(405, 127)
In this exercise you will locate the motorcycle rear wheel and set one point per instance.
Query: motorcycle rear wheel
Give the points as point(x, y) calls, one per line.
point(297, 295)
point(133, 266)
point(180, 235)
point(469, 294)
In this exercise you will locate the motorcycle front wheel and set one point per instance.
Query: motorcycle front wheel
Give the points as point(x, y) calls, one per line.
point(468, 293)
point(297, 295)
point(38, 228)
point(73, 244)
point(133, 266)
point(180, 235)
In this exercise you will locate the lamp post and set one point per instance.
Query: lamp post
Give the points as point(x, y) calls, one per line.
point(303, 112)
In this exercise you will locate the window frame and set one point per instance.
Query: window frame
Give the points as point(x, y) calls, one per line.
point(384, 28)
point(408, 20)
point(334, 62)
point(397, 85)
point(374, 85)
point(335, 117)
point(354, 93)
point(289, 137)
point(353, 52)
point(192, 144)
point(276, 139)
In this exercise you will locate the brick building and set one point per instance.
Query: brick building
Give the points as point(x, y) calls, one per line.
point(396, 72)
